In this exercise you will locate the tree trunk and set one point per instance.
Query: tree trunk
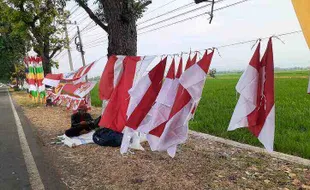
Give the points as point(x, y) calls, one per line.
point(46, 65)
point(122, 31)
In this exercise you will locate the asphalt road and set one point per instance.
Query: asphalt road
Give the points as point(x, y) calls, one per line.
point(13, 168)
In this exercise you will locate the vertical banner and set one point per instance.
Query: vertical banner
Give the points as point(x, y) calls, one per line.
point(35, 76)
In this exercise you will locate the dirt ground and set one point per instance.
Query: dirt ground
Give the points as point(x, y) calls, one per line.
point(199, 164)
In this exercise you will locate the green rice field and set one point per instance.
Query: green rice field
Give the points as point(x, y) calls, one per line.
point(292, 111)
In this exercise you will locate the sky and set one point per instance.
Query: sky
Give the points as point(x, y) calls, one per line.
point(250, 20)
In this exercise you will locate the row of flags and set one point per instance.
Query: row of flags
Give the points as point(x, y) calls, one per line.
point(136, 101)
point(34, 77)
point(141, 103)
point(69, 88)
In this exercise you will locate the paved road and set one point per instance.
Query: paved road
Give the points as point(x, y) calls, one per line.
point(13, 168)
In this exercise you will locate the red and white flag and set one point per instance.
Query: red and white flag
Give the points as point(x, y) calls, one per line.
point(78, 90)
point(256, 107)
point(110, 78)
point(52, 79)
point(190, 61)
point(78, 74)
point(180, 68)
point(142, 97)
point(160, 111)
point(74, 76)
point(119, 81)
point(169, 134)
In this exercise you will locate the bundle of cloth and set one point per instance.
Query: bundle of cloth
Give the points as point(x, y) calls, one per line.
point(85, 130)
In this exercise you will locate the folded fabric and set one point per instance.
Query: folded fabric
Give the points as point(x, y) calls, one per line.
point(77, 141)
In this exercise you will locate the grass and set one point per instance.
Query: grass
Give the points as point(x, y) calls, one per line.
point(292, 111)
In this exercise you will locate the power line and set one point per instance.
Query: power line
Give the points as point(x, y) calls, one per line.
point(71, 13)
point(160, 7)
point(189, 18)
point(176, 16)
point(101, 39)
point(169, 12)
point(244, 42)
point(73, 8)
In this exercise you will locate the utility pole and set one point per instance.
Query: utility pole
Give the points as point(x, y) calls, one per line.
point(68, 47)
point(79, 46)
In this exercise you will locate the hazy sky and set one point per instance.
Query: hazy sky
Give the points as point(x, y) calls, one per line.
point(246, 21)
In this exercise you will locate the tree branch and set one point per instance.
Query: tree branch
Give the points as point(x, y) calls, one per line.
point(92, 15)
point(55, 51)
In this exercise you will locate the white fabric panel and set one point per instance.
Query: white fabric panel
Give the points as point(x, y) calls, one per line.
point(160, 111)
point(141, 67)
point(118, 69)
point(131, 139)
point(51, 82)
point(168, 92)
point(176, 130)
point(193, 80)
point(137, 92)
point(247, 87)
point(266, 136)
point(80, 140)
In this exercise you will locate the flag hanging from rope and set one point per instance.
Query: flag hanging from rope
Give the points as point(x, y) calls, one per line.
point(132, 69)
point(173, 132)
point(74, 76)
point(256, 108)
point(110, 78)
point(142, 96)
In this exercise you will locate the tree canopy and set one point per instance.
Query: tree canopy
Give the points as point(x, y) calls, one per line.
point(42, 20)
point(118, 19)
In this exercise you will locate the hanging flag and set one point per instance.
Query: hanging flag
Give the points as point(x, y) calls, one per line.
point(302, 8)
point(52, 79)
point(110, 78)
point(78, 74)
point(160, 111)
point(74, 76)
point(169, 134)
point(78, 90)
point(142, 97)
point(190, 61)
point(255, 108)
point(180, 68)
point(114, 115)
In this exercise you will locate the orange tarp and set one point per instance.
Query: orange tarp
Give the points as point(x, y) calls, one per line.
point(302, 9)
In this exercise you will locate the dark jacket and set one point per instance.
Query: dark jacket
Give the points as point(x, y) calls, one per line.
point(77, 118)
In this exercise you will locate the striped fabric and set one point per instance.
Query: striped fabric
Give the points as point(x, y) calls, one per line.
point(35, 76)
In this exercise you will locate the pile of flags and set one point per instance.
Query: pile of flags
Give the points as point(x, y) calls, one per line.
point(69, 88)
point(34, 77)
point(137, 102)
